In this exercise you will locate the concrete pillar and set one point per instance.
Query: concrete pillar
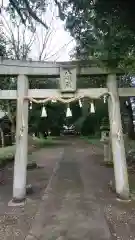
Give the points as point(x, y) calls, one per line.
point(106, 152)
point(118, 149)
point(20, 165)
point(110, 157)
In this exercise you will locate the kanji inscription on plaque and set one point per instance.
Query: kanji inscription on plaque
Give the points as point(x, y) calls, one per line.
point(68, 80)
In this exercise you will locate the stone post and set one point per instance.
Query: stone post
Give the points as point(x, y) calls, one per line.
point(20, 165)
point(105, 141)
point(106, 155)
point(118, 149)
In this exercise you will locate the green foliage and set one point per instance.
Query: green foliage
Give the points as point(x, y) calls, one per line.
point(54, 121)
point(123, 10)
point(78, 12)
point(6, 83)
point(99, 30)
point(7, 153)
point(91, 124)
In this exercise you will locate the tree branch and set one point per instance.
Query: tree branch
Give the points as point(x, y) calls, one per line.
point(14, 3)
point(12, 40)
point(33, 14)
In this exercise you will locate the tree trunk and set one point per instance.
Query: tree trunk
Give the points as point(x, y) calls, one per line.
point(2, 137)
point(124, 114)
point(127, 117)
point(13, 132)
point(131, 132)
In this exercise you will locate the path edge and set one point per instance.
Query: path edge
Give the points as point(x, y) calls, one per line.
point(37, 223)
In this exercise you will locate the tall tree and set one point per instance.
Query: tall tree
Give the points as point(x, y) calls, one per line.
point(31, 9)
point(101, 34)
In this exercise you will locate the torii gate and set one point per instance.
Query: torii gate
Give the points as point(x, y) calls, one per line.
point(67, 72)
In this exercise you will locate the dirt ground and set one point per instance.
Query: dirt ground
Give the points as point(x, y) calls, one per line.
point(77, 203)
point(15, 222)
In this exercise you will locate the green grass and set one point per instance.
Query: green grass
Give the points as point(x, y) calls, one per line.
point(92, 140)
point(129, 144)
point(7, 153)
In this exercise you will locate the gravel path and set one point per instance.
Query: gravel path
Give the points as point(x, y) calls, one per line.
point(78, 204)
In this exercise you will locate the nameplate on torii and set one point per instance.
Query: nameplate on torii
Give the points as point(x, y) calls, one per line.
point(68, 79)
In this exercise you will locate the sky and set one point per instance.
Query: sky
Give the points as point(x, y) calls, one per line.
point(59, 45)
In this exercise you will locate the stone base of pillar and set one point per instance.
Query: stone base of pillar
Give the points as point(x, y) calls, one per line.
point(15, 200)
point(108, 153)
point(17, 203)
point(21, 201)
point(123, 197)
point(126, 200)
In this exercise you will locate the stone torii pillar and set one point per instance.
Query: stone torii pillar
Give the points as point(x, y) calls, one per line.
point(20, 164)
point(118, 149)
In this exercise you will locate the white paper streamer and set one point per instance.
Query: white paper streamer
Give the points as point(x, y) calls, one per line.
point(44, 113)
point(68, 113)
point(30, 105)
point(80, 103)
point(92, 108)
